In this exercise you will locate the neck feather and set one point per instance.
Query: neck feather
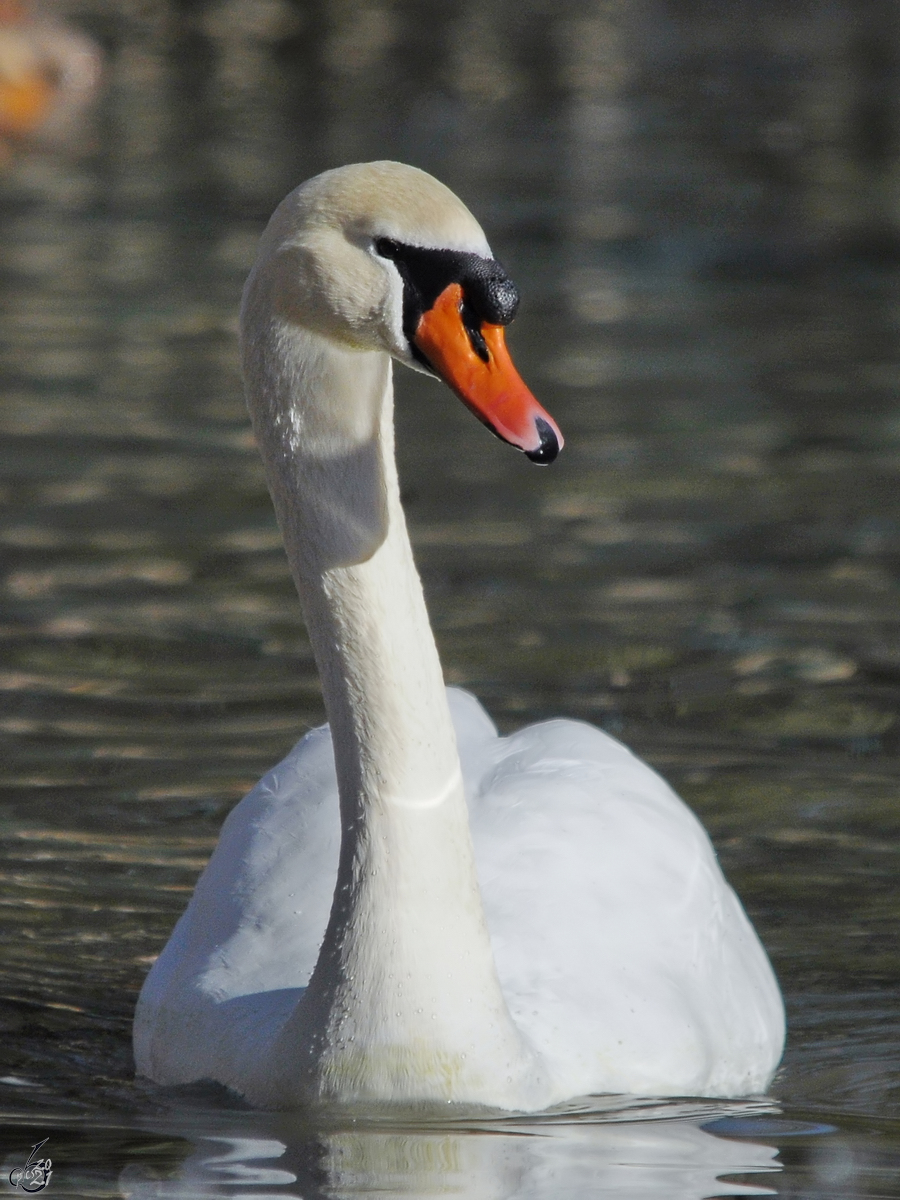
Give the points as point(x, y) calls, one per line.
point(404, 1002)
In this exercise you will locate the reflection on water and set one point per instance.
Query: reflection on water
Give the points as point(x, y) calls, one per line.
point(674, 1158)
point(203, 1154)
point(700, 210)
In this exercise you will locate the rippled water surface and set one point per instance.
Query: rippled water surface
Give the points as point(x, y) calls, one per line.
point(710, 570)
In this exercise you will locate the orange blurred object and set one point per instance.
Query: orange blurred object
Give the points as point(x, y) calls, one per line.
point(48, 74)
point(24, 103)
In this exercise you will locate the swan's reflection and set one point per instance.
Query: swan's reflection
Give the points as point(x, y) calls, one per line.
point(674, 1159)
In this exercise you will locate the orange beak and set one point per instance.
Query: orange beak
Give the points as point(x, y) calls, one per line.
point(493, 390)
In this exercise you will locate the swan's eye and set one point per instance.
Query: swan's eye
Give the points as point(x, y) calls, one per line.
point(387, 248)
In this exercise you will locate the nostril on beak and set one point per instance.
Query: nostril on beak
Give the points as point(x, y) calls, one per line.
point(549, 447)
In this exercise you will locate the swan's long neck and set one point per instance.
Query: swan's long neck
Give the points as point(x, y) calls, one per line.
point(404, 1002)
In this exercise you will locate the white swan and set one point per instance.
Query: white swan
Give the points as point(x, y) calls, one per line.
point(410, 909)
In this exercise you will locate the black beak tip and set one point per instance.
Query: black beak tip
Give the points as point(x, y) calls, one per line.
point(549, 447)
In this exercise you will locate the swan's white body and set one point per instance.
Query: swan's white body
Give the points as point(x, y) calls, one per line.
point(409, 909)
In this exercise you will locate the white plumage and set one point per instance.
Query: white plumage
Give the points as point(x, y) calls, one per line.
point(622, 953)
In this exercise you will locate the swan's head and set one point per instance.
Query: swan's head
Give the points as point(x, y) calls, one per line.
point(381, 256)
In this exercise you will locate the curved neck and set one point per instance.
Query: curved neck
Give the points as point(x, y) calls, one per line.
point(326, 434)
point(404, 1002)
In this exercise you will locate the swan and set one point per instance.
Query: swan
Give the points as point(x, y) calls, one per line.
point(410, 909)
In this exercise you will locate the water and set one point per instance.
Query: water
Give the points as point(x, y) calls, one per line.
point(709, 571)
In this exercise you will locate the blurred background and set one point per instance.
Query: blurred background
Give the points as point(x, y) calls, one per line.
point(700, 204)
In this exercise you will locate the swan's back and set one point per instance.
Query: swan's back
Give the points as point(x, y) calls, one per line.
point(622, 952)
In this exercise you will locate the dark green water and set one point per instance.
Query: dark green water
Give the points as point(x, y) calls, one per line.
point(710, 571)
